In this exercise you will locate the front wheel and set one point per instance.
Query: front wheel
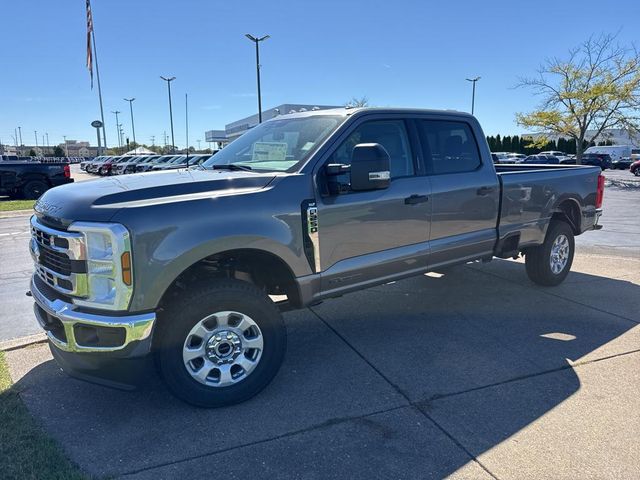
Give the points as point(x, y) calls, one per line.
point(550, 263)
point(220, 344)
point(636, 172)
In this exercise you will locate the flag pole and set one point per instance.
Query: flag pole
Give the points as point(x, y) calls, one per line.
point(95, 56)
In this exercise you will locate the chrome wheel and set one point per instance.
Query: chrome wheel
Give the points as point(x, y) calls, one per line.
point(222, 349)
point(559, 254)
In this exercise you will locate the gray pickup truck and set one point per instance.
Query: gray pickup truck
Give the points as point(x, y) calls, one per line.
point(193, 267)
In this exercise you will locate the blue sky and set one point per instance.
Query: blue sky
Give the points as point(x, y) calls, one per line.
point(397, 53)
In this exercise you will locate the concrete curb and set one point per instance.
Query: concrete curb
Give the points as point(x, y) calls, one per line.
point(16, 213)
point(17, 343)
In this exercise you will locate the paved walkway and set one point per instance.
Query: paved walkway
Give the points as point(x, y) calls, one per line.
point(470, 373)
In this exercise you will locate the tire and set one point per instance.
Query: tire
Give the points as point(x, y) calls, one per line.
point(538, 260)
point(636, 172)
point(33, 189)
point(206, 310)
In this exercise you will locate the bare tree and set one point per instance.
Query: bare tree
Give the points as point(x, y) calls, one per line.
point(356, 102)
point(596, 88)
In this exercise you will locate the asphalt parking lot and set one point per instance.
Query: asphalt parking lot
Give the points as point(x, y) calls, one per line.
point(472, 372)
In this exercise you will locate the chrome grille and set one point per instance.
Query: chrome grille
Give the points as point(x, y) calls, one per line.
point(54, 253)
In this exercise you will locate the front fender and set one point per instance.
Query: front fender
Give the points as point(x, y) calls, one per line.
point(169, 238)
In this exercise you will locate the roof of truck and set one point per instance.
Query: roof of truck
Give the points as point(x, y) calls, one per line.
point(346, 111)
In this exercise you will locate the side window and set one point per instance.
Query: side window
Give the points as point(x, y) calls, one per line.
point(391, 134)
point(449, 147)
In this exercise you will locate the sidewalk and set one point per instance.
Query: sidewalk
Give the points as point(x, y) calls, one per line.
point(474, 374)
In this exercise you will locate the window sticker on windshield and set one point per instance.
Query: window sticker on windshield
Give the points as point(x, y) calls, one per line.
point(307, 146)
point(269, 151)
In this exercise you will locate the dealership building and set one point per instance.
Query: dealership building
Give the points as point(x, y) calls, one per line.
point(234, 129)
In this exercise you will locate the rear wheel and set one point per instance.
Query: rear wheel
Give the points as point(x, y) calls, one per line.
point(220, 344)
point(33, 189)
point(550, 263)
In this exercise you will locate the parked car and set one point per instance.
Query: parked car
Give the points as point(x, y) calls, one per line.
point(635, 168)
point(305, 206)
point(94, 165)
point(129, 165)
point(31, 179)
point(105, 167)
point(541, 159)
point(622, 163)
point(150, 163)
point(182, 162)
point(602, 160)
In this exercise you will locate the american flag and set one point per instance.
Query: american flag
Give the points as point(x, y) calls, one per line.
point(89, 30)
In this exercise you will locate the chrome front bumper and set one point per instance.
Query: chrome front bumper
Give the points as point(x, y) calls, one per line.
point(136, 328)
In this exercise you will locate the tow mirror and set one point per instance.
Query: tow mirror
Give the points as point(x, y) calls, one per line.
point(369, 167)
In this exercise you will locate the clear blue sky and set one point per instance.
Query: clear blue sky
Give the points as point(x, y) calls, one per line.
point(397, 53)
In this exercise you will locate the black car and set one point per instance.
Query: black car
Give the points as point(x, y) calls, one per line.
point(602, 160)
point(31, 179)
point(622, 163)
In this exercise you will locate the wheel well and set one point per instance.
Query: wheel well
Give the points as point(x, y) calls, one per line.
point(569, 211)
point(258, 267)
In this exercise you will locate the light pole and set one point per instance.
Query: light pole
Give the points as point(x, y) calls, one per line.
point(116, 113)
point(198, 144)
point(169, 80)
point(47, 143)
point(35, 133)
point(133, 128)
point(473, 94)
point(66, 147)
point(257, 41)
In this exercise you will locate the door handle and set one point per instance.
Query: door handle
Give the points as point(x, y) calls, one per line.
point(485, 190)
point(415, 199)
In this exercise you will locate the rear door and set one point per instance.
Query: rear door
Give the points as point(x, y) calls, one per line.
point(368, 235)
point(465, 191)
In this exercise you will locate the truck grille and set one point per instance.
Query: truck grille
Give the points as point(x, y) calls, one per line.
point(59, 258)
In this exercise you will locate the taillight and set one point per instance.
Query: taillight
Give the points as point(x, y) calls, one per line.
point(600, 191)
point(67, 171)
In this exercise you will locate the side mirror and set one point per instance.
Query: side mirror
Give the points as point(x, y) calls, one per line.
point(369, 167)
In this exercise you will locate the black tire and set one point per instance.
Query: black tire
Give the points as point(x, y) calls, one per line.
point(538, 259)
point(33, 189)
point(183, 314)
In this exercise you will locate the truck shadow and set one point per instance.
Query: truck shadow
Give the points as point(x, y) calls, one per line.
point(480, 354)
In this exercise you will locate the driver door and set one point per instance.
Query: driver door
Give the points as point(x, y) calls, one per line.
point(366, 236)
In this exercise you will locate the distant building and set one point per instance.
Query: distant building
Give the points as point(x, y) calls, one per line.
point(234, 129)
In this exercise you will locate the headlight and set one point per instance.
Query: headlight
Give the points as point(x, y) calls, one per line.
point(109, 268)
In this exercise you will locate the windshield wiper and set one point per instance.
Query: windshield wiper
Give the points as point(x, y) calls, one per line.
point(232, 166)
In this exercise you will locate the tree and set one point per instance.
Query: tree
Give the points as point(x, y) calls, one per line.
point(58, 152)
point(597, 87)
point(357, 102)
point(32, 153)
point(498, 143)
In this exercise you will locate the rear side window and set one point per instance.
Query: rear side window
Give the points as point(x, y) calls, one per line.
point(448, 147)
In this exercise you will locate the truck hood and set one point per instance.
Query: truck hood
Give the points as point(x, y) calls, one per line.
point(99, 200)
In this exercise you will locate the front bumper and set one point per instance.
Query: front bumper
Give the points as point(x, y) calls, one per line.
point(74, 331)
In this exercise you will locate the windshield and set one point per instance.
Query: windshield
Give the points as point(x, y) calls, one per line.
point(277, 145)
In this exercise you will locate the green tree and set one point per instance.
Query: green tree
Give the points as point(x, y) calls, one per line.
point(58, 151)
point(595, 88)
point(506, 143)
point(499, 144)
point(32, 153)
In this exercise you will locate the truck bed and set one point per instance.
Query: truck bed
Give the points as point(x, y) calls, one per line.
point(532, 194)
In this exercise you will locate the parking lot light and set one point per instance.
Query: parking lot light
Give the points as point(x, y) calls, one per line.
point(257, 41)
